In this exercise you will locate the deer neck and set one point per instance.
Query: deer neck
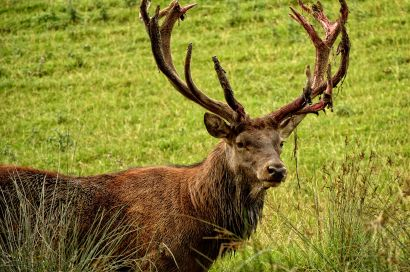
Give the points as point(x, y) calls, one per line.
point(223, 196)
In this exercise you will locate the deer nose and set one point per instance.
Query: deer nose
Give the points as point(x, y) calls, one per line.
point(276, 172)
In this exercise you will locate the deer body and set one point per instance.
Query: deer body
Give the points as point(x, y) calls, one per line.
point(187, 216)
point(185, 204)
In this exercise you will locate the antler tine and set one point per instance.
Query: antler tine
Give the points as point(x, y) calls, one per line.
point(173, 13)
point(323, 48)
point(332, 30)
point(144, 12)
point(317, 12)
point(326, 100)
point(228, 92)
point(156, 46)
point(304, 7)
point(160, 37)
point(344, 50)
point(208, 103)
point(317, 41)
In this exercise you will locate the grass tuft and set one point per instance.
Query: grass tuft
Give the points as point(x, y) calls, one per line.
point(40, 231)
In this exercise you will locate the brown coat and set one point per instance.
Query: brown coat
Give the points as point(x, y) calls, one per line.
point(186, 216)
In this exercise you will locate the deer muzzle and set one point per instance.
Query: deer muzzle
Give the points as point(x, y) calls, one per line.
point(274, 173)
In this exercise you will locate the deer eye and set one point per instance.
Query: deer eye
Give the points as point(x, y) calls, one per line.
point(240, 144)
point(281, 144)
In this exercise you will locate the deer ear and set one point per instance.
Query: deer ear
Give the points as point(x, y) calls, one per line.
point(287, 126)
point(216, 126)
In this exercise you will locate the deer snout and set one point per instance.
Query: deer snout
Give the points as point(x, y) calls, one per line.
point(276, 172)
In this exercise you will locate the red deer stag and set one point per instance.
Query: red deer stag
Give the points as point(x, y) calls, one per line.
point(180, 208)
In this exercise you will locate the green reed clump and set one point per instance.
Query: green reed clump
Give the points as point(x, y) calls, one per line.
point(40, 231)
point(361, 219)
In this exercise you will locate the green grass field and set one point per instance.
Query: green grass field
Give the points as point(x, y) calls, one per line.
point(80, 93)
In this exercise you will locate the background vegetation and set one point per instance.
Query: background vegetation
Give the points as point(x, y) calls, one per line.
point(80, 93)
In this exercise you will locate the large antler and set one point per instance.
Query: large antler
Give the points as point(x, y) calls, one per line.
point(316, 85)
point(160, 37)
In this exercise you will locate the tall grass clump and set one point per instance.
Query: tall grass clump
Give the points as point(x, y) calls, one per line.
point(362, 222)
point(357, 218)
point(40, 231)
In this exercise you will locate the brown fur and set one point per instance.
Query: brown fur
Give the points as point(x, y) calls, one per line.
point(185, 215)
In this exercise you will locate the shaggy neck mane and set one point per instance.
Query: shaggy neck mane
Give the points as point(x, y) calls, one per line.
point(223, 196)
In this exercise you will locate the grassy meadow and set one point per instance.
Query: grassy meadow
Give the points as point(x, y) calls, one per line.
point(80, 93)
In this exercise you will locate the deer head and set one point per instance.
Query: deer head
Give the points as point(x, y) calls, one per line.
point(253, 145)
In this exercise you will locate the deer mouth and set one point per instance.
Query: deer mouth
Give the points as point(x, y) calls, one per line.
point(268, 183)
point(274, 179)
